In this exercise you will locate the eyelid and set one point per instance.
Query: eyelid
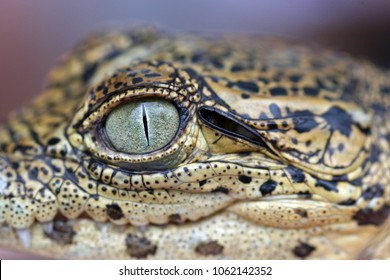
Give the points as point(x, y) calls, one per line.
point(88, 133)
point(98, 112)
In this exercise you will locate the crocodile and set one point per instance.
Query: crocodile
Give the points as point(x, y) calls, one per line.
point(151, 145)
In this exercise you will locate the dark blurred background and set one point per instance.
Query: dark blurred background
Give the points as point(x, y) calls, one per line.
point(33, 34)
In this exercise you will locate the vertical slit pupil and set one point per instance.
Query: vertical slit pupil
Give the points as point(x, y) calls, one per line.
point(145, 122)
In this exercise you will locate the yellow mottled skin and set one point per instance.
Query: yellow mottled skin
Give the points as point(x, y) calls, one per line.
point(282, 152)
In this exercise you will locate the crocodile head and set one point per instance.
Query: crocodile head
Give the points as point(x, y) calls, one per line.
point(154, 146)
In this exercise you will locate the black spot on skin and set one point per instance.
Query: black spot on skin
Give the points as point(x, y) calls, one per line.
point(55, 168)
point(303, 250)
point(145, 71)
point(211, 248)
point(301, 212)
point(327, 185)
point(137, 80)
point(349, 89)
point(63, 153)
point(191, 72)
point(375, 153)
point(114, 211)
point(321, 85)
point(132, 74)
point(357, 182)
point(339, 120)
point(236, 68)
point(249, 86)
point(294, 140)
point(197, 57)
point(24, 149)
point(245, 96)
point(152, 75)
point(264, 80)
point(216, 63)
point(273, 141)
point(180, 57)
point(296, 174)
point(310, 91)
point(333, 80)
point(379, 109)
point(295, 78)
point(53, 141)
point(343, 177)
point(373, 191)
point(113, 54)
point(62, 233)
point(371, 217)
point(139, 247)
point(175, 219)
point(245, 179)
point(33, 173)
point(348, 202)
point(216, 79)
point(201, 183)
point(317, 64)
point(15, 165)
point(45, 171)
point(268, 187)
point(99, 88)
point(385, 89)
point(305, 194)
point(263, 116)
point(278, 91)
point(272, 125)
point(274, 109)
point(221, 189)
point(118, 85)
point(304, 124)
point(88, 73)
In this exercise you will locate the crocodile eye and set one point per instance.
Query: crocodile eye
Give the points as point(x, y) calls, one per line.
point(137, 124)
point(142, 126)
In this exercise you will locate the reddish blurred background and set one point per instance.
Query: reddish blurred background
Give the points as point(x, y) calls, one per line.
point(33, 34)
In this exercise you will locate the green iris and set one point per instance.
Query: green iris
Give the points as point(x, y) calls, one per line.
point(142, 126)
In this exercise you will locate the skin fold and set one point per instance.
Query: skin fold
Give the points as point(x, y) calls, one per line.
point(166, 146)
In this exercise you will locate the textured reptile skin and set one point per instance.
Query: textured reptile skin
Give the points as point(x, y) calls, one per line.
point(282, 152)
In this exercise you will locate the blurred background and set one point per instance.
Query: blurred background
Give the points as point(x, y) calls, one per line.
point(33, 34)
